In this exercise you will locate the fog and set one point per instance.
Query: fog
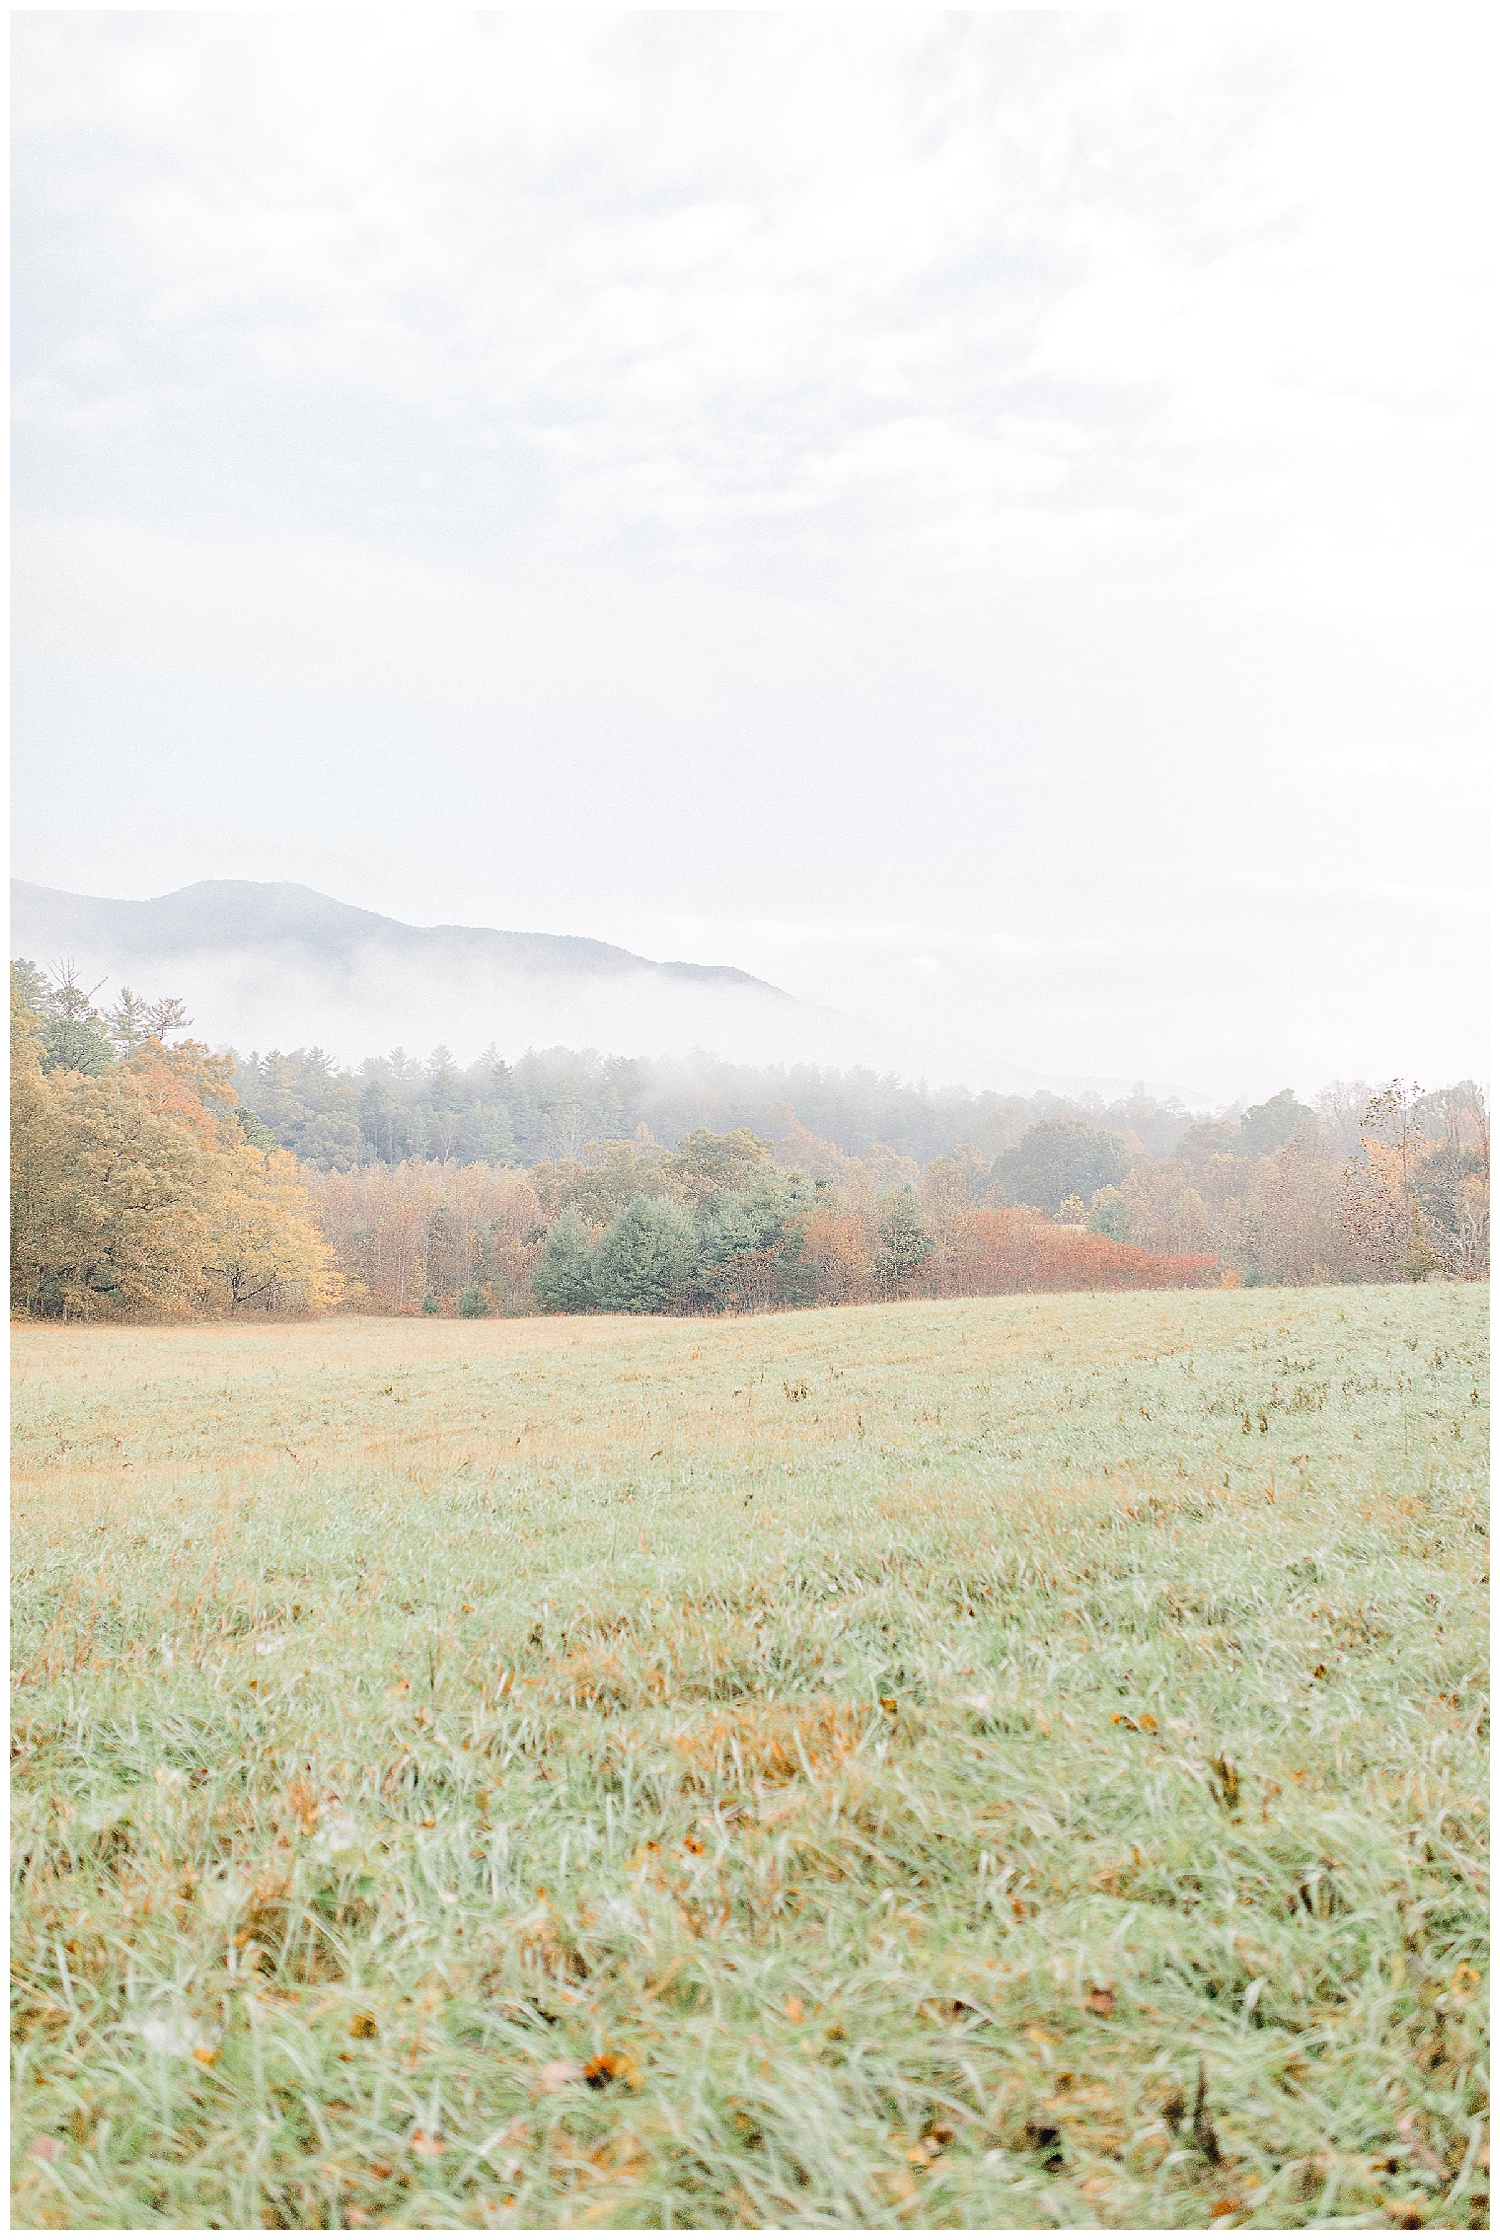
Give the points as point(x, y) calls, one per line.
point(974, 518)
point(366, 1005)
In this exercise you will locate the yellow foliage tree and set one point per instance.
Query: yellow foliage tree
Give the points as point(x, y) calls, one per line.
point(131, 1196)
point(263, 1246)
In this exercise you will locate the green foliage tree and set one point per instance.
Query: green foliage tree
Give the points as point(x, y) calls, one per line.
point(705, 1165)
point(563, 1278)
point(905, 1242)
point(1266, 1127)
point(1057, 1159)
point(254, 1128)
point(748, 1243)
point(309, 1106)
point(473, 1303)
point(74, 1038)
point(644, 1259)
point(134, 1022)
point(1109, 1214)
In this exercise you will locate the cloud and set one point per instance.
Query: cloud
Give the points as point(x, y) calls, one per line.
point(744, 470)
point(735, 287)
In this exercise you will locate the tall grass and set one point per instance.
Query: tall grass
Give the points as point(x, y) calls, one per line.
point(994, 1763)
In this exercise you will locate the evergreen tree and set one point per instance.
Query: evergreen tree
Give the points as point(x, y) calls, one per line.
point(905, 1242)
point(642, 1264)
point(74, 1037)
point(1109, 1214)
point(563, 1278)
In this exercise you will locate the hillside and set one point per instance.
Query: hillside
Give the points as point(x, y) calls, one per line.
point(266, 965)
point(296, 924)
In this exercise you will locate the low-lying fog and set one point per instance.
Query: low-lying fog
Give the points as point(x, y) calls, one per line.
point(369, 1004)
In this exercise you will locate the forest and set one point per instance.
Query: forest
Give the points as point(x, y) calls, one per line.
point(153, 1177)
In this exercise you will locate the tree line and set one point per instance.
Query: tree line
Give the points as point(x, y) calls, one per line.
point(550, 1104)
point(154, 1177)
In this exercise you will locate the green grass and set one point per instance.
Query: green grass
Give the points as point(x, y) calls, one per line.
point(899, 1748)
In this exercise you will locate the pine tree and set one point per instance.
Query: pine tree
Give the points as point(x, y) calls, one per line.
point(905, 1242)
point(642, 1264)
point(563, 1278)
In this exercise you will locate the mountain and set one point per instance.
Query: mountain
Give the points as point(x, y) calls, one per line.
point(263, 966)
point(300, 926)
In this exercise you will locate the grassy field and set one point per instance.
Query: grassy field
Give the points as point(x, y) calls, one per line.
point(1014, 1762)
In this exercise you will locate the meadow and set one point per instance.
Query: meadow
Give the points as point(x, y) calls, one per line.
point(996, 1763)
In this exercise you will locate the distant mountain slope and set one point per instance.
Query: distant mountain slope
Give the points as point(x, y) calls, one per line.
point(265, 966)
point(294, 925)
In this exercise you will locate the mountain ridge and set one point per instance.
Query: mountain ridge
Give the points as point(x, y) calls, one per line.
point(234, 915)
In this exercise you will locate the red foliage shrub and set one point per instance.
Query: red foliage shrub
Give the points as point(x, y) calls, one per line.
point(993, 1251)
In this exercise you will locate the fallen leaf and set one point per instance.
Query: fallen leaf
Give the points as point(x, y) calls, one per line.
point(363, 2026)
point(1225, 1782)
point(1101, 2000)
point(45, 2147)
point(380, 2170)
point(795, 2011)
point(553, 2075)
point(427, 2145)
point(610, 2068)
point(206, 2055)
point(1225, 2206)
point(304, 1802)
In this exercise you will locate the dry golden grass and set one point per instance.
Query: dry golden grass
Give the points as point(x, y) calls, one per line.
point(833, 1769)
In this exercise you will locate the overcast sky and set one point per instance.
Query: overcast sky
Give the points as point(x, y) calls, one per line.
point(974, 517)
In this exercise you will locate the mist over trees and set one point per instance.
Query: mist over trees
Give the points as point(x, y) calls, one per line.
point(550, 1104)
point(154, 1177)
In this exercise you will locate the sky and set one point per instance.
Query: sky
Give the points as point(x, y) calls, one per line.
point(973, 517)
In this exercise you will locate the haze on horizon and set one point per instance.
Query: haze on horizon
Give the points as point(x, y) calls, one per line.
point(974, 519)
